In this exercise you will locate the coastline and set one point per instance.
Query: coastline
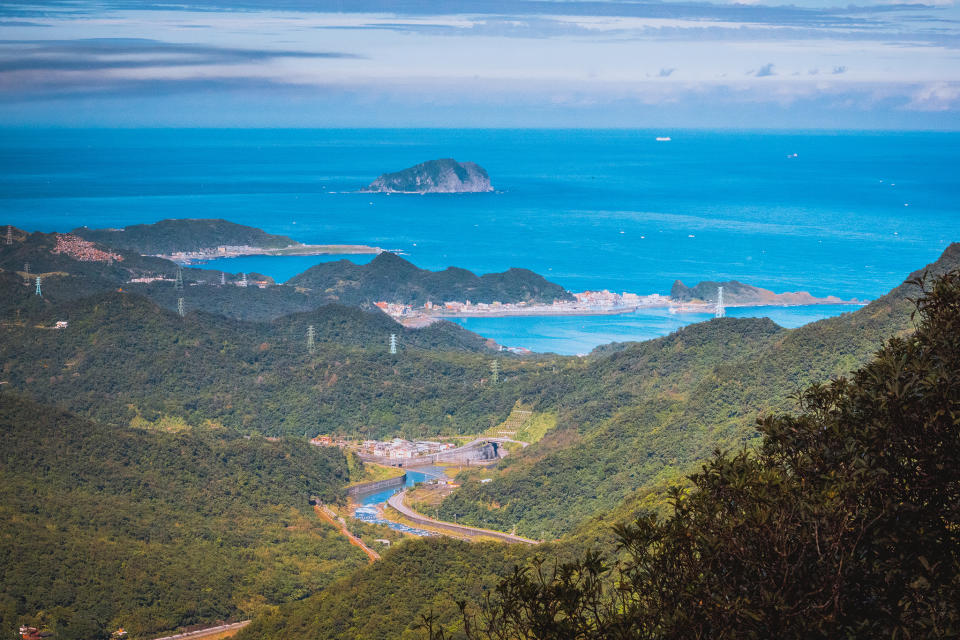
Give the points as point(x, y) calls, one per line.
point(193, 257)
point(423, 318)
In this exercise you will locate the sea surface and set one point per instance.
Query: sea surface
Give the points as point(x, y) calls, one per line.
point(578, 335)
point(847, 214)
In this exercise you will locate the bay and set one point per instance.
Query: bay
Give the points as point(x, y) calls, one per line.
point(833, 213)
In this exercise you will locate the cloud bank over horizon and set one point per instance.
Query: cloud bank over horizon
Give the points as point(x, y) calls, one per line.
point(486, 64)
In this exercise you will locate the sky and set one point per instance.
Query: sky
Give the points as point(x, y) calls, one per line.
point(484, 63)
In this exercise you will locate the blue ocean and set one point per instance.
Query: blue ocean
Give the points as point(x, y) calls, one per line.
point(847, 214)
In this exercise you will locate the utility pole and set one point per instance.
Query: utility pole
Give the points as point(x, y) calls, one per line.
point(39, 292)
point(310, 336)
point(720, 312)
point(495, 371)
point(393, 343)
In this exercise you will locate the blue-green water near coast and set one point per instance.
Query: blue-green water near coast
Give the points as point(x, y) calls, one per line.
point(850, 215)
point(368, 503)
point(573, 335)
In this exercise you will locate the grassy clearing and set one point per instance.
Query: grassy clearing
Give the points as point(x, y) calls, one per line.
point(524, 425)
point(375, 472)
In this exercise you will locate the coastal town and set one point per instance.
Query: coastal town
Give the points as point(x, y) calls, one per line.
point(82, 250)
point(585, 303)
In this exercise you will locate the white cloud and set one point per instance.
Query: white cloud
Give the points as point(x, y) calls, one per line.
point(938, 96)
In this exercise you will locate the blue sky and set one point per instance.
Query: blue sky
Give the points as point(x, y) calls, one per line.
point(496, 63)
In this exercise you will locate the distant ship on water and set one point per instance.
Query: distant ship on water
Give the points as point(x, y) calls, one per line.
point(663, 138)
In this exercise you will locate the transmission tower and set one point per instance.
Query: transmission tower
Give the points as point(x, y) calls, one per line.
point(393, 343)
point(495, 371)
point(720, 310)
point(243, 279)
point(310, 337)
point(180, 310)
point(9, 234)
point(178, 283)
point(223, 278)
point(39, 292)
point(26, 268)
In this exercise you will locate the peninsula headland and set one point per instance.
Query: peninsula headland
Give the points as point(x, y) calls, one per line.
point(192, 240)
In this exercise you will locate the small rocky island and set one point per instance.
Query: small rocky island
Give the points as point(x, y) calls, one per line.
point(435, 176)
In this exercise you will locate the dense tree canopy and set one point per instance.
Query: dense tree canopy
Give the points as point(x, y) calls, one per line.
point(845, 522)
point(102, 527)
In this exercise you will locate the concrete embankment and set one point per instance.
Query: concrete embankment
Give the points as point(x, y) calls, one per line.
point(396, 502)
point(379, 485)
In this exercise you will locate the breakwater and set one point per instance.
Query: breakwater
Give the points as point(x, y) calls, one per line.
point(379, 485)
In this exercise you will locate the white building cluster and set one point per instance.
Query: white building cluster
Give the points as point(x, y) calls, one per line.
point(585, 302)
point(610, 300)
point(400, 449)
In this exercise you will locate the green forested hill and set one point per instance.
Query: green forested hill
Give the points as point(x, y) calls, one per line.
point(389, 598)
point(121, 356)
point(390, 278)
point(656, 414)
point(104, 527)
point(842, 522)
point(70, 276)
point(619, 434)
point(170, 236)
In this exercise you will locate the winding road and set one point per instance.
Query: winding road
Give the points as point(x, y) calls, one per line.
point(396, 501)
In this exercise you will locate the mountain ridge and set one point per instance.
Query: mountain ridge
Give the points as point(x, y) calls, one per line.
point(391, 278)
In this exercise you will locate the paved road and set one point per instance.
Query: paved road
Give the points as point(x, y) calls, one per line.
point(396, 501)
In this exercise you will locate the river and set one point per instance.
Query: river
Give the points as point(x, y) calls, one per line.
point(368, 504)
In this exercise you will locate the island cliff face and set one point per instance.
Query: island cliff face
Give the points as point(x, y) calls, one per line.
point(738, 293)
point(435, 176)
